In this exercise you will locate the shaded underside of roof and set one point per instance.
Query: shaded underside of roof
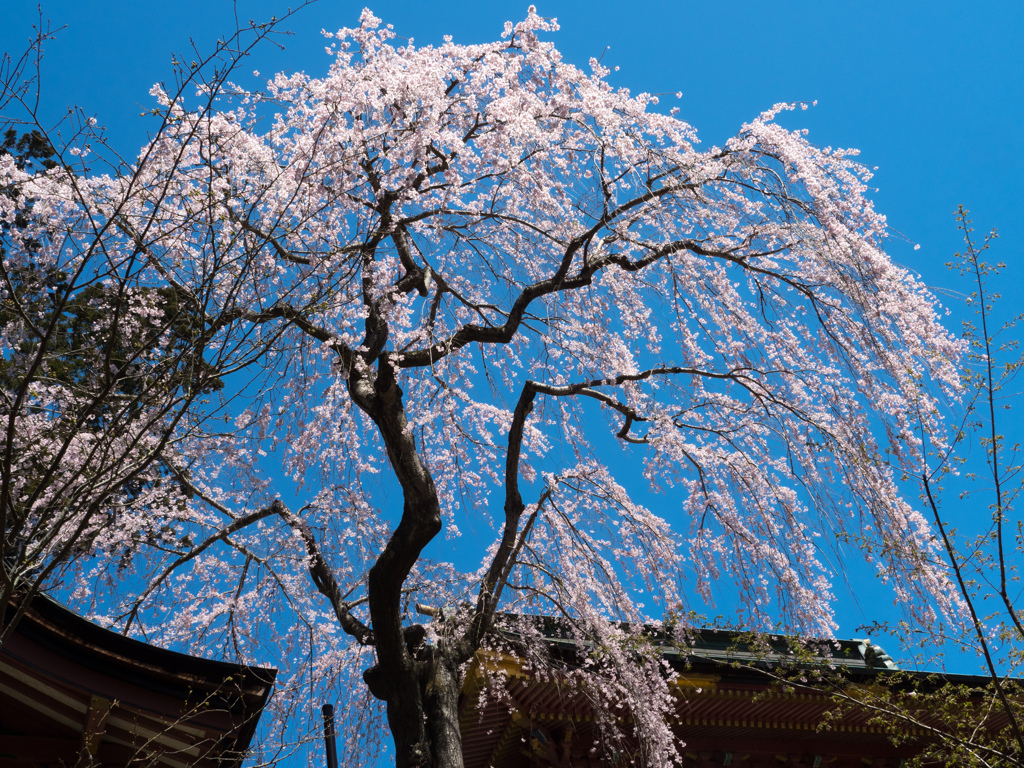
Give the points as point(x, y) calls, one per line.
point(69, 687)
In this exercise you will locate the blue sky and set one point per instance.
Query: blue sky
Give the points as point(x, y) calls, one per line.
point(931, 92)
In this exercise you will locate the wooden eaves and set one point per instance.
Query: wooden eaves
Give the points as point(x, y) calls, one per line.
point(730, 710)
point(72, 692)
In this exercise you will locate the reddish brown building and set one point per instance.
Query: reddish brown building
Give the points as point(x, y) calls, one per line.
point(73, 693)
point(729, 712)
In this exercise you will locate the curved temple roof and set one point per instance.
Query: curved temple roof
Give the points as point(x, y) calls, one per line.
point(70, 689)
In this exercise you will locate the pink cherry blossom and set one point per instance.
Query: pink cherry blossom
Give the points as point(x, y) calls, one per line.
point(473, 287)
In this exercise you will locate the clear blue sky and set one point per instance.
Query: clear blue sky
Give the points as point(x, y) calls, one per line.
point(932, 91)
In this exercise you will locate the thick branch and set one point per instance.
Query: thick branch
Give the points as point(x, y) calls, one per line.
point(487, 599)
point(558, 282)
point(324, 579)
point(236, 525)
point(319, 570)
point(281, 251)
point(512, 540)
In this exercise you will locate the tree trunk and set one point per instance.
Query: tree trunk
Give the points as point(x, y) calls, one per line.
point(406, 723)
point(423, 711)
point(441, 701)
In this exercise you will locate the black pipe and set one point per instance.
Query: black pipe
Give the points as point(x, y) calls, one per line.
point(332, 749)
